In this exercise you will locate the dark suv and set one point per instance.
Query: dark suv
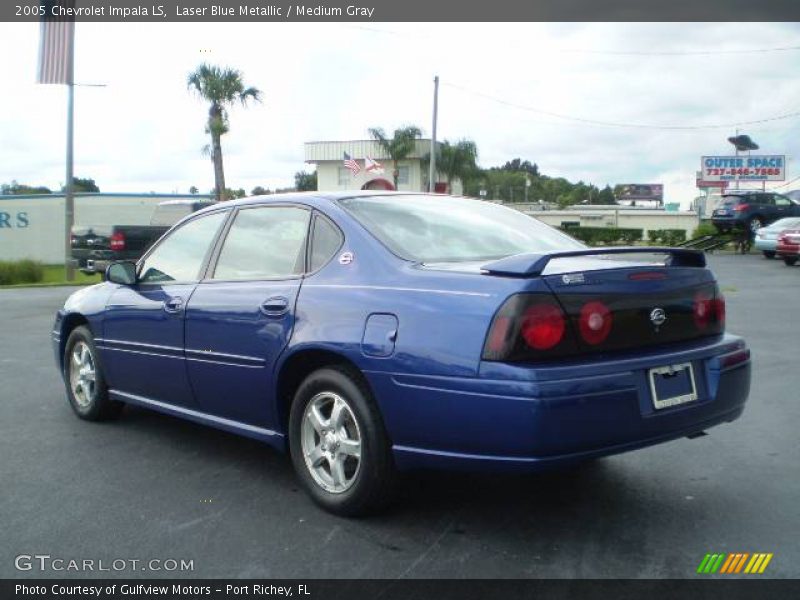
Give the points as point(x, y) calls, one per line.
point(752, 209)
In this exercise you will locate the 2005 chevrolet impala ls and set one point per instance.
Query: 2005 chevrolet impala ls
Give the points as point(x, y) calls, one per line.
point(368, 333)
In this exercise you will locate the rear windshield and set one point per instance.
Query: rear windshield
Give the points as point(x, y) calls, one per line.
point(169, 214)
point(733, 200)
point(431, 229)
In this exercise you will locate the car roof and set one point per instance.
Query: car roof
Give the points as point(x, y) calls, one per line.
point(312, 198)
point(186, 201)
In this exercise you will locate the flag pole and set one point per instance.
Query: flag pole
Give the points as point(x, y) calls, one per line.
point(69, 189)
point(432, 173)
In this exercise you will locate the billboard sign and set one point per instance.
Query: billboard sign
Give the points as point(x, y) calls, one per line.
point(639, 191)
point(764, 167)
point(704, 184)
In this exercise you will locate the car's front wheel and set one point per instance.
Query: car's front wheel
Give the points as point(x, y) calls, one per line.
point(83, 375)
point(339, 447)
point(769, 254)
point(790, 261)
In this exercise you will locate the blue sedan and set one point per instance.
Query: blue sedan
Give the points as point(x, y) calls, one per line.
point(368, 333)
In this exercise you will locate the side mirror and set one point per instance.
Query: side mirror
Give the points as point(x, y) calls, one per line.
point(123, 273)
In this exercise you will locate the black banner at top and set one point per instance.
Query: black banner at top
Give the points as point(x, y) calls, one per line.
point(403, 10)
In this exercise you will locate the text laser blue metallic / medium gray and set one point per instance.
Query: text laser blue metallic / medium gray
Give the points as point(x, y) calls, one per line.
point(368, 333)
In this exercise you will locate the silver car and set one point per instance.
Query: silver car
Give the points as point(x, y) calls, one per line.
point(767, 237)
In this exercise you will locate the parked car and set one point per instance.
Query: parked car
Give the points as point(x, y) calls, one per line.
point(370, 332)
point(752, 210)
point(767, 237)
point(94, 247)
point(788, 246)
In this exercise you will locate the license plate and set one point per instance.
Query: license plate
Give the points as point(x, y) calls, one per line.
point(672, 385)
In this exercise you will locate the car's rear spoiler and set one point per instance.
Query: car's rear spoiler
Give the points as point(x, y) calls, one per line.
point(532, 265)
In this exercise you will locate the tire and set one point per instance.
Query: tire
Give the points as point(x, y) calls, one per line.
point(361, 484)
point(789, 261)
point(87, 391)
point(769, 254)
point(754, 223)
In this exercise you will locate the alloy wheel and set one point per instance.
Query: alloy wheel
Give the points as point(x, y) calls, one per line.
point(331, 442)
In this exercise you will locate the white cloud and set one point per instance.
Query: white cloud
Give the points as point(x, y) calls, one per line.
point(144, 131)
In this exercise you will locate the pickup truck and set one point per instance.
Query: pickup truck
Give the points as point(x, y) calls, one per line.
point(94, 247)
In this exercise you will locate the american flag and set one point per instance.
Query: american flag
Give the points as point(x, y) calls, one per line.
point(56, 45)
point(351, 164)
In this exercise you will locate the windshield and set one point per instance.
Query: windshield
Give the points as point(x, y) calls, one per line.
point(430, 229)
point(786, 223)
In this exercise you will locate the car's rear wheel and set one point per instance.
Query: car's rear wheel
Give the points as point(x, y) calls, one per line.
point(339, 447)
point(790, 261)
point(755, 223)
point(83, 375)
point(769, 254)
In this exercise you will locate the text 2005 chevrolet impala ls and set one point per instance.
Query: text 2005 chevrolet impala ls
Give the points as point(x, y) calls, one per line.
point(367, 333)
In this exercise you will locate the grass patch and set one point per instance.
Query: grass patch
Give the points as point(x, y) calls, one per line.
point(28, 273)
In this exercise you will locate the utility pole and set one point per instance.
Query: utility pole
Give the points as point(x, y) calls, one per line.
point(69, 191)
point(432, 172)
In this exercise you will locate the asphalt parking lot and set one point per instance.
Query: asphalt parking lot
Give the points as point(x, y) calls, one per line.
point(151, 486)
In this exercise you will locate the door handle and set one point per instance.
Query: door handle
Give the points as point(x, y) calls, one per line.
point(173, 305)
point(277, 306)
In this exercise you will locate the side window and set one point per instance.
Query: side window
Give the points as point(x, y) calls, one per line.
point(326, 239)
point(782, 200)
point(403, 175)
point(264, 243)
point(181, 254)
point(765, 200)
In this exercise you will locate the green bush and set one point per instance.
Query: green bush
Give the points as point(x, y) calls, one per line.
point(666, 237)
point(705, 228)
point(20, 271)
point(605, 235)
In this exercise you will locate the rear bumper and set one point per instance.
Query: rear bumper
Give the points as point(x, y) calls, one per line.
point(765, 245)
point(726, 223)
point(521, 418)
point(787, 249)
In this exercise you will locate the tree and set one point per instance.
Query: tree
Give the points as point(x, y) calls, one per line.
point(259, 191)
point(606, 196)
point(21, 188)
point(193, 190)
point(82, 185)
point(221, 87)
point(522, 165)
point(398, 147)
point(305, 182)
point(457, 161)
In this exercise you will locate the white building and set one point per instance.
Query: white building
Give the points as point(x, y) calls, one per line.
point(32, 226)
point(333, 175)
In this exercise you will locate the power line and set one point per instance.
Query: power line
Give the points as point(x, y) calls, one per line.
point(420, 35)
point(619, 124)
point(790, 182)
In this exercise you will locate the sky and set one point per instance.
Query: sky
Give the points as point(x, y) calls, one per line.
point(144, 131)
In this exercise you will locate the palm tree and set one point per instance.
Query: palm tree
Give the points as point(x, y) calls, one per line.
point(222, 87)
point(455, 161)
point(398, 147)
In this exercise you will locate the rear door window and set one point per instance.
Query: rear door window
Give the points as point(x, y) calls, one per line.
point(267, 242)
point(326, 239)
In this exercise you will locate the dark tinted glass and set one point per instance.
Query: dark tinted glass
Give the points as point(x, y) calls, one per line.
point(325, 242)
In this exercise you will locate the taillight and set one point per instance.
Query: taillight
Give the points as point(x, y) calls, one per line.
point(595, 322)
point(719, 310)
point(709, 309)
point(543, 326)
point(741, 207)
point(117, 241)
point(529, 327)
point(702, 308)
